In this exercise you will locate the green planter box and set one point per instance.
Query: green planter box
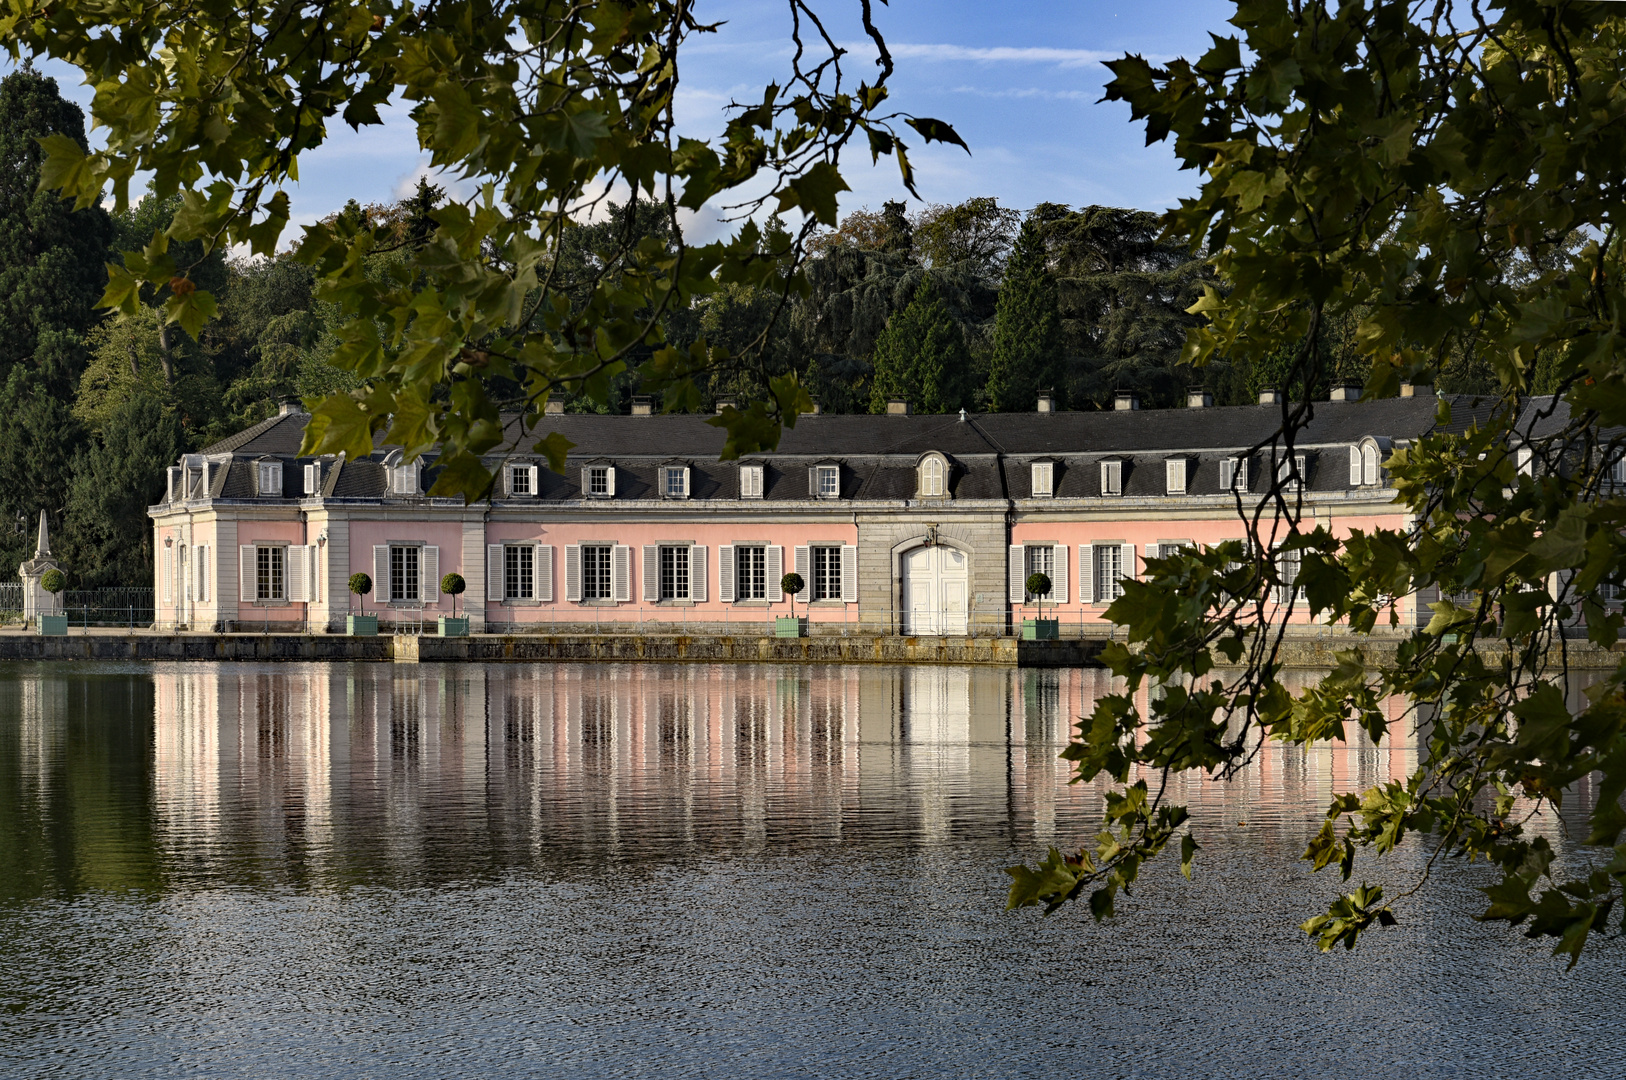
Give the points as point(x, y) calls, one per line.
point(1041, 629)
point(53, 625)
point(454, 626)
point(361, 625)
point(789, 626)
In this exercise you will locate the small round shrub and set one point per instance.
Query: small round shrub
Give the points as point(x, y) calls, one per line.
point(792, 583)
point(361, 584)
point(453, 585)
point(1038, 584)
point(53, 581)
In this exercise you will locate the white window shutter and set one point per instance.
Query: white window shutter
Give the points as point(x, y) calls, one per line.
point(685, 481)
point(652, 573)
point(314, 554)
point(1086, 574)
point(295, 577)
point(1174, 475)
point(776, 572)
point(1355, 466)
point(197, 572)
point(697, 565)
point(1130, 568)
point(544, 573)
point(429, 589)
point(849, 573)
point(1016, 572)
point(573, 572)
point(587, 481)
point(536, 476)
point(804, 566)
point(621, 573)
point(1242, 480)
point(381, 573)
point(1058, 575)
point(247, 574)
point(494, 573)
point(1153, 551)
point(1301, 468)
point(609, 480)
point(1227, 473)
point(169, 575)
point(725, 573)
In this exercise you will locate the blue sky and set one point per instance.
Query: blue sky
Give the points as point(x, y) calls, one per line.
point(1019, 80)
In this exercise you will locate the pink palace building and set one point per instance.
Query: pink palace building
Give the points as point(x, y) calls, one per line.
point(898, 524)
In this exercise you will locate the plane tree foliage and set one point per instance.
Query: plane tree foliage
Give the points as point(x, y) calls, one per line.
point(1426, 168)
point(545, 110)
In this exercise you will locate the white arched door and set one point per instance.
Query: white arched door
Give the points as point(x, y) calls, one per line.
point(934, 592)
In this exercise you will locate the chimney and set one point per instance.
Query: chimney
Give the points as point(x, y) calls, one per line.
point(1198, 398)
point(555, 405)
point(288, 406)
point(1125, 401)
point(897, 407)
point(1047, 401)
point(643, 405)
point(723, 403)
point(1270, 396)
point(1346, 392)
point(817, 408)
point(1408, 390)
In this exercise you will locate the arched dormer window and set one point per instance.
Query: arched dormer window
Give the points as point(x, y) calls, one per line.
point(403, 474)
point(1366, 462)
point(932, 477)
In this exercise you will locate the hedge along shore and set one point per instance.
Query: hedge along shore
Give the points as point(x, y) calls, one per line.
point(1318, 651)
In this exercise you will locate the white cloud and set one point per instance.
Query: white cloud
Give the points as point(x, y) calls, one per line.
point(1030, 92)
point(1001, 54)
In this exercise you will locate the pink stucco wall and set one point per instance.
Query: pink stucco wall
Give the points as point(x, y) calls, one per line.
point(636, 535)
point(447, 536)
point(1202, 531)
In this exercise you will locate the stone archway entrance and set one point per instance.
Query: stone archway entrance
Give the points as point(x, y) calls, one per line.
point(935, 580)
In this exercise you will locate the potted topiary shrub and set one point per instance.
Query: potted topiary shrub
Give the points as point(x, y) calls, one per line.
point(1040, 629)
point(450, 625)
point(790, 625)
point(362, 625)
point(53, 582)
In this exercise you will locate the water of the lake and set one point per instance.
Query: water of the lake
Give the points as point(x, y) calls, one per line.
point(514, 871)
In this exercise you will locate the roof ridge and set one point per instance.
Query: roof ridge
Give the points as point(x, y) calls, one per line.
point(242, 438)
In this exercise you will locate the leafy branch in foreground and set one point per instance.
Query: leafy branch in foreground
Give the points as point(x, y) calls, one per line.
point(1450, 174)
point(545, 109)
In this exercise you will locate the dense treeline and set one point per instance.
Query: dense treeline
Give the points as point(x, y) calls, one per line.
point(972, 306)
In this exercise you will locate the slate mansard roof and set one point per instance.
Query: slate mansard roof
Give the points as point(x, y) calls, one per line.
point(988, 454)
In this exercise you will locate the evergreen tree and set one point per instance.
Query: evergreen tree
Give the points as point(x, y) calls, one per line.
point(922, 356)
point(51, 255)
point(107, 539)
point(1027, 328)
point(38, 440)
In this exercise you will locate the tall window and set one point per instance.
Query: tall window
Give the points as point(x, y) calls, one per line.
point(750, 481)
point(596, 572)
point(404, 573)
point(1370, 474)
point(750, 572)
point(270, 583)
point(1287, 568)
point(1109, 572)
point(675, 481)
point(519, 572)
point(826, 573)
point(675, 572)
point(829, 482)
point(1040, 559)
point(1044, 478)
point(931, 477)
point(598, 480)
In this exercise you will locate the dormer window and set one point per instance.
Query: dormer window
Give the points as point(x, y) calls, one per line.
point(1112, 478)
point(1617, 471)
point(404, 478)
point(313, 479)
point(1290, 472)
point(1174, 474)
point(1234, 474)
point(675, 481)
point(827, 481)
point(269, 477)
point(598, 481)
point(1043, 474)
point(933, 477)
point(750, 481)
point(1365, 464)
point(522, 481)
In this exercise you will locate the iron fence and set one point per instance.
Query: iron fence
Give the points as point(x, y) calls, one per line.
point(126, 606)
point(11, 602)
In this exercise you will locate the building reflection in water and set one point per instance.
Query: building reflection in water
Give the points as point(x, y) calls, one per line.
point(354, 773)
